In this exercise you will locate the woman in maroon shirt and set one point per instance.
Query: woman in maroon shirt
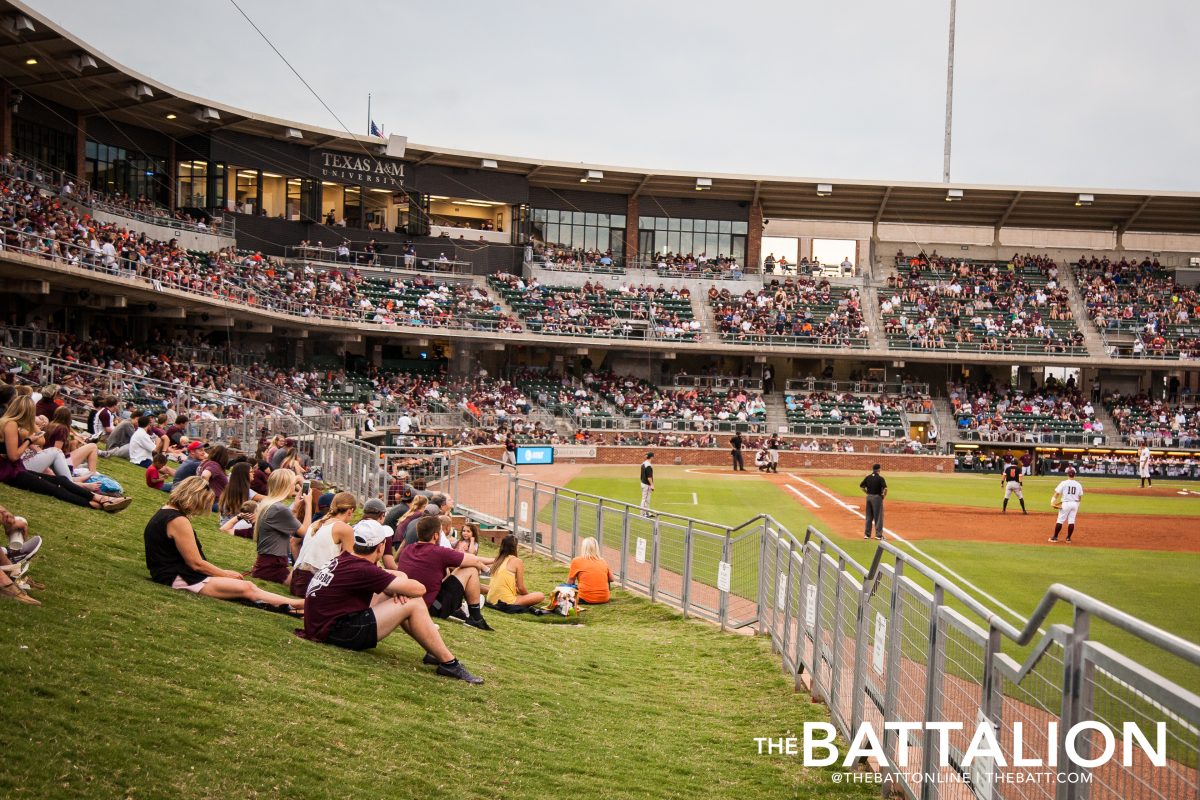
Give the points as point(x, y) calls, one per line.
point(213, 470)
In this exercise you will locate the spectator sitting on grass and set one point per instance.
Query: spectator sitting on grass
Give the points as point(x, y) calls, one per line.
point(325, 541)
point(242, 525)
point(143, 444)
point(590, 572)
point(196, 455)
point(426, 561)
point(158, 472)
point(415, 511)
point(78, 450)
point(341, 606)
point(276, 525)
point(507, 591)
point(175, 557)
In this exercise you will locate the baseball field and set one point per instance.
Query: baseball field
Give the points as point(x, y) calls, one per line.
point(1137, 549)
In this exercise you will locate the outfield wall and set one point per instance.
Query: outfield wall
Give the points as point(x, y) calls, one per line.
point(797, 459)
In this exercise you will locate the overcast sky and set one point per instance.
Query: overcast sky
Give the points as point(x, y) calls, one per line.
point(1092, 93)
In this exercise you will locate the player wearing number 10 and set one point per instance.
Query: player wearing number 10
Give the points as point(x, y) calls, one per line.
point(1067, 496)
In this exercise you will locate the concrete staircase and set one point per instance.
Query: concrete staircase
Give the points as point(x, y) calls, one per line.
point(1112, 436)
point(776, 411)
point(869, 298)
point(1091, 337)
point(703, 312)
point(943, 415)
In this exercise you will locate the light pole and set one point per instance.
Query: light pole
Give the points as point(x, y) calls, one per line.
point(949, 95)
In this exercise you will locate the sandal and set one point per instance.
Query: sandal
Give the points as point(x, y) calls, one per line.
point(115, 505)
point(14, 592)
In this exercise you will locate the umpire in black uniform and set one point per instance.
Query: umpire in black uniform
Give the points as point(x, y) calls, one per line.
point(875, 488)
point(735, 450)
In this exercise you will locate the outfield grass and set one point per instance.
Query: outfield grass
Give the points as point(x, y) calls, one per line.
point(985, 491)
point(119, 687)
point(1153, 585)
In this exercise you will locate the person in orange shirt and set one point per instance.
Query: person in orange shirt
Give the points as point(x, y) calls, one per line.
point(590, 573)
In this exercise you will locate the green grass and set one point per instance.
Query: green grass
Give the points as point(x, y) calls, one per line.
point(985, 491)
point(1155, 586)
point(119, 687)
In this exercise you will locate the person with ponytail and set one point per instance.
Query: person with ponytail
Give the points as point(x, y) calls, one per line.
point(331, 536)
point(507, 591)
point(277, 524)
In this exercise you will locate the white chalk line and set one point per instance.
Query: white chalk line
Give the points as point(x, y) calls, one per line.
point(944, 568)
point(803, 496)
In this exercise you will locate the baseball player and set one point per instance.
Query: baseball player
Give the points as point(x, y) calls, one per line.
point(1067, 496)
point(509, 457)
point(1011, 481)
point(647, 479)
point(1144, 466)
point(773, 452)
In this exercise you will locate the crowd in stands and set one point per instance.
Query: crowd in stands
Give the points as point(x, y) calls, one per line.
point(696, 266)
point(593, 310)
point(1003, 414)
point(802, 311)
point(990, 306)
point(1141, 298)
point(696, 409)
point(1162, 422)
point(575, 260)
point(838, 411)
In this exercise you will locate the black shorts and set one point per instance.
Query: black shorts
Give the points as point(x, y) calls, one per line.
point(509, 608)
point(449, 598)
point(355, 631)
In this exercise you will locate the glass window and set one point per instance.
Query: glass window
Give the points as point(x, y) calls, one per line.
point(740, 227)
point(660, 223)
point(646, 223)
point(724, 226)
point(552, 233)
point(618, 221)
point(589, 219)
point(602, 238)
point(192, 184)
point(673, 225)
point(685, 242)
point(602, 220)
point(711, 245)
point(578, 220)
point(589, 238)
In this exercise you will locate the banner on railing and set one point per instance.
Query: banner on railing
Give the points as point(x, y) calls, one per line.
point(574, 451)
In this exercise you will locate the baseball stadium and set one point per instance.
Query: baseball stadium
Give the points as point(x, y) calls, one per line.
point(338, 465)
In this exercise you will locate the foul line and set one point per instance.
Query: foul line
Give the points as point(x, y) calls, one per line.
point(803, 496)
point(945, 569)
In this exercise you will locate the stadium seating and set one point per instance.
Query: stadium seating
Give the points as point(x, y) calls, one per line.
point(1140, 307)
point(1159, 423)
point(847, 414)
point(979, 306)
point(799, 311)
point(1051, 415)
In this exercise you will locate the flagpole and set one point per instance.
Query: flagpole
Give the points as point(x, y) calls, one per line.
point(368, 113)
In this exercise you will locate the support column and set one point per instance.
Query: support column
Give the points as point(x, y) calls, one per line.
point(6, 137)
point(631, 231)
point(754, 235)
point(173, 170)
point(80, 145)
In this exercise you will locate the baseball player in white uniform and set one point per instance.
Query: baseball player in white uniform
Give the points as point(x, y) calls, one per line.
point(1144, 466)
point(1068, 495)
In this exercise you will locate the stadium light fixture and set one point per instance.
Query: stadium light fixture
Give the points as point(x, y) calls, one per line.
point(18, 24)
point(30, 61)
point(703, 184)
point(170, 116)
point(82, 61)
point(140, 91)
point(488, 163)
point(1085, 200)
point(824, 189)
point(206, 114)
point(954, 195)
point(592, 175)
point(293, 133)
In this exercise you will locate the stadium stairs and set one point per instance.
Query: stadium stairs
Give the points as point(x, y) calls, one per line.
point(869, 300)
point(1112, 437)
point(776, 411)
point(943, 414)
point(1091, 337)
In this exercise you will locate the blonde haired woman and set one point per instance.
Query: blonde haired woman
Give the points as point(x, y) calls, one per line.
point(175, 558)
point(331, 537)
point(277, 524)
point(590, 572)
point(18, 433)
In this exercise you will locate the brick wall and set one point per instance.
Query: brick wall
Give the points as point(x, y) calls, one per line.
point(754, 237)
point(691, 456)
point(631, 230)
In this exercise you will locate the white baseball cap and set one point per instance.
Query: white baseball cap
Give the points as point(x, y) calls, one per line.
point(370, 535)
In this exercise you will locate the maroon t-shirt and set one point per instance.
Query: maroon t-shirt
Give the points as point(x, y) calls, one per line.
point(427, 563)
point(345, 585)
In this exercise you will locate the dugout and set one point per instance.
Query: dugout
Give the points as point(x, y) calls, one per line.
point(1111, 462)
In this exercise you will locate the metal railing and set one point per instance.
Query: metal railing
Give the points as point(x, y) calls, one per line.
point(813, 384)
point(328, 256)
point(224, 225)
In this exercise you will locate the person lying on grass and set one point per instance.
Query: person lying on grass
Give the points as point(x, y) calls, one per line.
point(507, 591)
point(175, 557)
point(353, 603)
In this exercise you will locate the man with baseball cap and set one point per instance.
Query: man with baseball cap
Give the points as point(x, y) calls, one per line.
point(1067, 496)
point(196, 455)
point(646, 476)
point(338, 608)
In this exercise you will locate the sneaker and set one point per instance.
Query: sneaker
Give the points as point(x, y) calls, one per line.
point(430, 660)
point(26, 551)
point(1053, 539)
point(457, 670)
point(880, 537)
point(479, 622)
point(868, 536)
point(1068, 541)
point(458, 615)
